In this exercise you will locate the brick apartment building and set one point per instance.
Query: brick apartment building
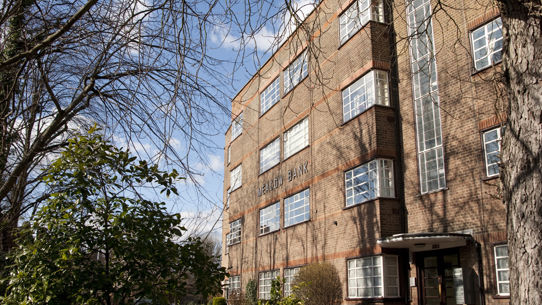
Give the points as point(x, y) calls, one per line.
point(370, 140)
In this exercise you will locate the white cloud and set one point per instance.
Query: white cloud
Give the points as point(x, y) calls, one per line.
point(216, 163)
point(262, 40)
point(302, 9)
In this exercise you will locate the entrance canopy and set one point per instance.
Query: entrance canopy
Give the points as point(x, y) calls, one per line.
point(417, 242)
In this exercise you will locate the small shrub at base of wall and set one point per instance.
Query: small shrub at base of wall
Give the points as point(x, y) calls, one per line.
point(219, 301)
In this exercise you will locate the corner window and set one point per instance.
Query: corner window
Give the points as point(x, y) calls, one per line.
point(229, 154)
point(369, 90)
point(373, 277)
point(270, 218)
point(264, 284)
point(492, 149)
point(270, 96)
point(487, 44)
point(296, 208)
point(234, 236)
point(289, 276)
point(502, 270)
point(237, 126)
point(369, 181)
point(296, 138)
point(295, 72)
point(357, 15)
point(270, 155)
point(236, 178)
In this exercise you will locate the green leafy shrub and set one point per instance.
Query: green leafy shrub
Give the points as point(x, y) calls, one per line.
point(252, 292)
point(219, 301)
point(318, 284)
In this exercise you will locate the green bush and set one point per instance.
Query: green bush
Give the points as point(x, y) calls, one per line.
point(252, 292)
point(219, 301)
point(318, 284)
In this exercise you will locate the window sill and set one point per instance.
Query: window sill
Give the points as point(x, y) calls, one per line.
point(267, 170)
point(296, 224)
point(501, 297)
point(268, 233)
point(360, 204)
point(297, 152)
point(432, 192)
point(489, 178)
point(296, 85)
point(364, 111)
point(235, 243)
point(272, 106)
point(494, 65)
point(372, 299)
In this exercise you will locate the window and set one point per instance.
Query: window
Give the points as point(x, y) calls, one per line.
point(235, 284)
point(487, 44)
point(236, 178)
point(237, 126)
point(264, 284)
point(296, 138)
point(289, 276)
point(270, 155)
point(369, 181)
point(270, 218)
point(229, 154)
point(228, 198)
point(369, 90)
point(357, 15)
point(373, 277)
point(492, 148)
point(502, 270)
point(295, 72)
point(235, 233)
point(270, 96)
point(296, 208)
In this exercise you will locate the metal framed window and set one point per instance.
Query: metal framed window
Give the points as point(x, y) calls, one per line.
point(270, 218)
point(289, 276)
point(296, 72)
point(502, 270)
point(264, 283)
point(367, 91)
point(270, 155)
point(235, 284)
point(369, 181)
point(229, 154)
point(234, 236)
point(492, 149)
point(373, 276)
point(236, 178)
point(237, 126)
point(357, 15)
point(296, 138)
point(270, 96)
point(297, 208)
point(487, 44)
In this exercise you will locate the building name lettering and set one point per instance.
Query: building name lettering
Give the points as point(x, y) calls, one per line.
point(277, 182)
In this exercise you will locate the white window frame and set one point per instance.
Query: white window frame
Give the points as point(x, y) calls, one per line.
point(486, 42)
point(296, 72)
point(377, 275)
point(357, 15)
point(270, 155)
point(296, 138)
point(297, 208)
point(264, 283)
point(289, 276)
point(228, 198)
point(229, 154)
point(270, 96)
point(234, 237)
point(234, 284)
point(237, 127)
point(236, 177)
point(270, 218)
point(502, 270)
point(374, 178)
point(371, 89)
point(492, 168)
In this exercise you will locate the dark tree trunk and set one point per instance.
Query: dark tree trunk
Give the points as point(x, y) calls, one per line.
point(522, 148)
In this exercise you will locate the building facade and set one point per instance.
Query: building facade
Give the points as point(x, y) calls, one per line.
point(370, 140)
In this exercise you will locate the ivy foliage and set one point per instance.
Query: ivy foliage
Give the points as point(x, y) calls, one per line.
point(97, 240)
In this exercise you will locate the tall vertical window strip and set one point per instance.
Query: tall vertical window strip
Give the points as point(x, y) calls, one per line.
point(492, 149)
point(295, 72)
point(236, 178)
point(289, 276)
point(264, 284)
point(270, 96)
point(235, 232)
point(270, 218)
point(369, 181)
point(502, 270)
point(270, 155)
point(229, 154)
point(237, 126)
point(357, 15)
point(373, 276)
point(297, 208)
point(296, 138)
point(487, 44)
point(426, 97)
point(369, 90)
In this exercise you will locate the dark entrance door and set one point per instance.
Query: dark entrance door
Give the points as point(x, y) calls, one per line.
point(436, 271)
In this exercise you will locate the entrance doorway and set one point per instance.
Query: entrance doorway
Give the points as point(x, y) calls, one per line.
point(440, 273)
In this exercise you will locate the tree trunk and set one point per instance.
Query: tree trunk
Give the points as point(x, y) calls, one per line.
point(522, 148)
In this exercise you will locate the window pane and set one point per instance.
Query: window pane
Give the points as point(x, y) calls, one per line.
point(236, 177)
point(296, 208)
point(296, 138)
point(295, 72)
point(270, 155)
point(270, 218)
point(487, 44)
point(237, 126)
point(270, 96)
